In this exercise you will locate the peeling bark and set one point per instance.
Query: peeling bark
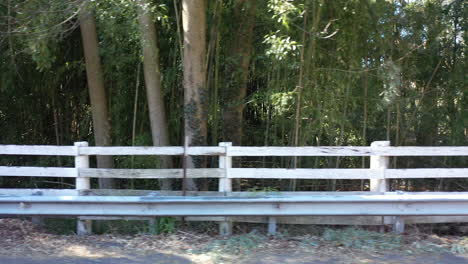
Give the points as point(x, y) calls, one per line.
point(195, 92)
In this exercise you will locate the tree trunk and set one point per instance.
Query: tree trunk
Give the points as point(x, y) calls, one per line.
point(157, 112)
point(195, 92)
point(97, 93)
point(237, 70)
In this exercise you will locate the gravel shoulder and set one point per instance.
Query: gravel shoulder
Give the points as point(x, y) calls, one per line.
point(22, 243)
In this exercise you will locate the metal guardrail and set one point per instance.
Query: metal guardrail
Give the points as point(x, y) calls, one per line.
point(313, 205)
point(226, 206)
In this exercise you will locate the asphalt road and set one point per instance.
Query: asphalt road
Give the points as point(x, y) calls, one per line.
point(258, 258)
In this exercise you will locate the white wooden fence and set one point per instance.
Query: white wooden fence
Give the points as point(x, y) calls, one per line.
point(379, 173)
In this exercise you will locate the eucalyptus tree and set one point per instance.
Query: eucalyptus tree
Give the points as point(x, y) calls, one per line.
point(97, 92)
point(195, 91)
point(154, 90)
point(240, 48)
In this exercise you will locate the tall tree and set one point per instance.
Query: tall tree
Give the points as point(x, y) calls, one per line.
point(237, 70)
point(97, 92)
point(195, 91)
point(154, 90)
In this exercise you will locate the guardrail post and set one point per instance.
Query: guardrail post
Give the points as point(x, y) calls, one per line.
point(272, 225)
point(37, 220)
point(225, 186)
point(83, 227)
point(398, 225)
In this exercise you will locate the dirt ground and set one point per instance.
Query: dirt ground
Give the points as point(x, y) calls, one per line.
point(21, 243)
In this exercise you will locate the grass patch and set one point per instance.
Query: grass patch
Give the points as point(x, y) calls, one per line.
point(362, 239)
point(60, 226)
point(235, 245)
point(161, 225)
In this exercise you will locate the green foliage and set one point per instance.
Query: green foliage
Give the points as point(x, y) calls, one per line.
point(371, 70)
point(60, 226)
point(283, 9)
point(279, 46)
point(163, 225)
point(42, 31)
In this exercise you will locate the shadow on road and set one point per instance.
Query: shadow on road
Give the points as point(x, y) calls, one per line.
point(149, 259)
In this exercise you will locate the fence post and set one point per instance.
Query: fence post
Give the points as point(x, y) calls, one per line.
point(381, 185)
point(379, 162)
point(225, 186)
point(83, 227)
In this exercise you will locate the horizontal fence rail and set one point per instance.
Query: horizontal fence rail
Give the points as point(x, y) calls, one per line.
point(235, 173)
point(348, 151)
point(234, 151)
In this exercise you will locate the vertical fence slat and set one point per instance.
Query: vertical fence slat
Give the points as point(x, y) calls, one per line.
point(83, 227)
point(225, 185)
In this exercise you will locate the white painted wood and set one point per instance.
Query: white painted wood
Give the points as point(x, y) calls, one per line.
point(422, 151)
point(81, 162)
point(225, 163)
point(132, 151)
point(38, 171)
point(349, 151)
point(225, 184)
point(83, 227)
point(176, 150)
point(262, 173)
point(151, 173)
point(379, 163)
point(425, 173)
point(41, 150)
point(236, 151)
